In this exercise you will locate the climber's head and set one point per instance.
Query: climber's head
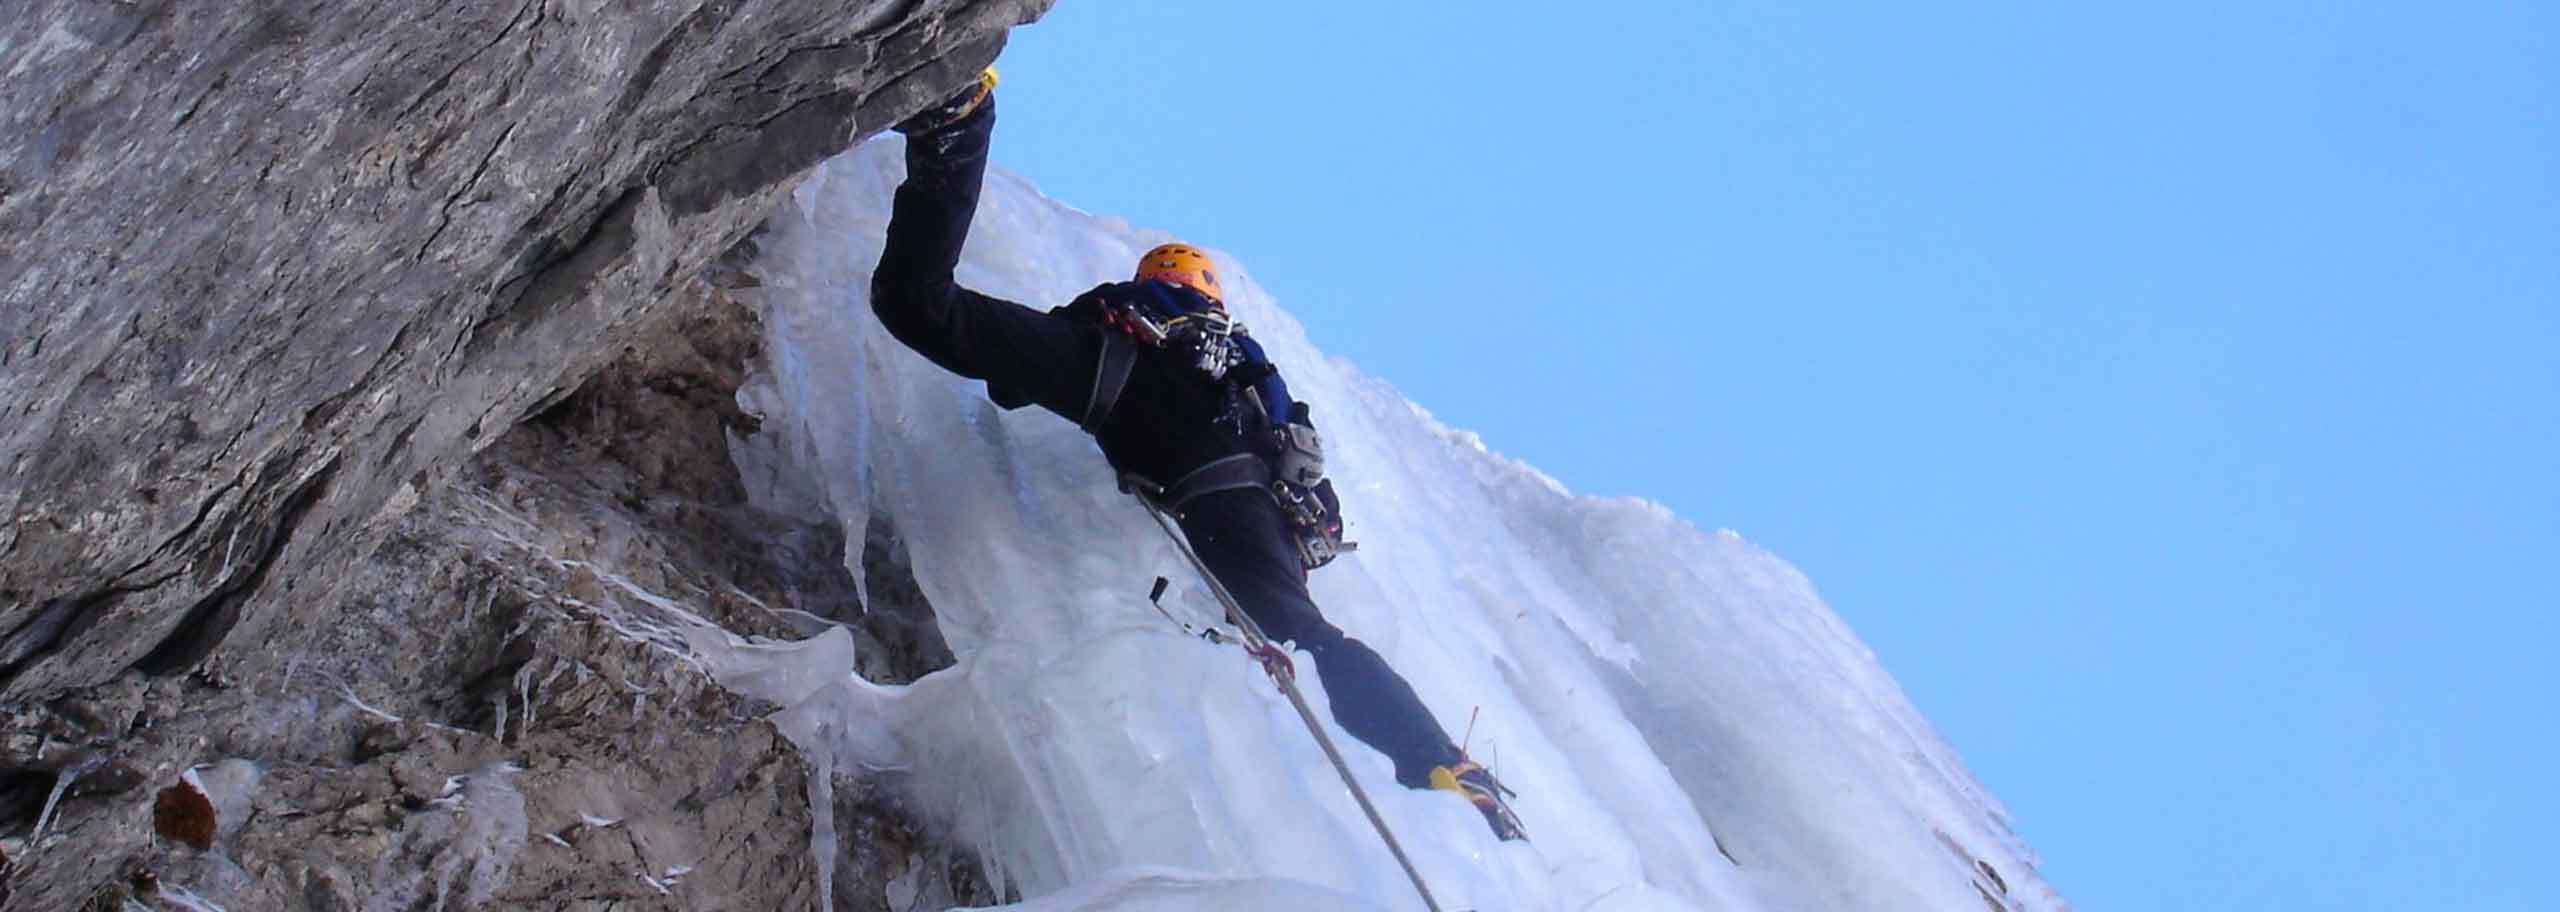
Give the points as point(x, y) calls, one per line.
point(1184, 265)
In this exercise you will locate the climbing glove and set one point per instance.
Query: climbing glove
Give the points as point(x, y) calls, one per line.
point(961, 105)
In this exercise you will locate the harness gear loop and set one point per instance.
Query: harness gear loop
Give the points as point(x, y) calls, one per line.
point(1258, 644)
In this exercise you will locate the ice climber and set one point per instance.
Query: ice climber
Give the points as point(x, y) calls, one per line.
point(1175, 393)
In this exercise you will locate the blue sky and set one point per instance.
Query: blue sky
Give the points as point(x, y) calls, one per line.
point(2169, 395)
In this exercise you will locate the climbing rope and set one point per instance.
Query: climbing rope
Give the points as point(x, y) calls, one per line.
point(1283, 672)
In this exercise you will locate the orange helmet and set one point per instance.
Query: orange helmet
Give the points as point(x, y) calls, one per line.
point(1184, 265)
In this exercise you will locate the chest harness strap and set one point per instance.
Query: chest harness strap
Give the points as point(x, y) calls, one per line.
point(1110, 374)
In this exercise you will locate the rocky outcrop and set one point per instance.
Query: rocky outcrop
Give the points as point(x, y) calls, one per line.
point(270, 270)
point(498, 706)
point(363, 415)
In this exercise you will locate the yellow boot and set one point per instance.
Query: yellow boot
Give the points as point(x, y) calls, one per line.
point(1482, 790)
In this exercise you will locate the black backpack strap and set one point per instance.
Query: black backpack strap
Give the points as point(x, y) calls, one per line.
point(1242, 470)
point(1110, 375)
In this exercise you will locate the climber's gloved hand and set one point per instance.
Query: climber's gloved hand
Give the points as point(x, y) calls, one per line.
point(963, 103)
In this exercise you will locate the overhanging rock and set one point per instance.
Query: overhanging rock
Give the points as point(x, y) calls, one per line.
point(267, 274)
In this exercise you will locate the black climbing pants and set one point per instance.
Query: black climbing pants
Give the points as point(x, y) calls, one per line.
point(1243, 538)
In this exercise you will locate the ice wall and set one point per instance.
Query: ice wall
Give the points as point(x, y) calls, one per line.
point(1665, 699)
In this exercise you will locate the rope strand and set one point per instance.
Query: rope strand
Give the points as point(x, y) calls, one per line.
point(1285, 675)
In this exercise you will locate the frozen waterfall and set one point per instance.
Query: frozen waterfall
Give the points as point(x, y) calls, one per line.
point(1661, 696)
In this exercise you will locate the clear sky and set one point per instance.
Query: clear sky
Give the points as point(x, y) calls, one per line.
point(2170, 395)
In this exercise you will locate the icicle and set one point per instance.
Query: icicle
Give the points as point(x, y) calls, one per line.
point(822, 817)
point(359, 704)
point(524, 691)
point(186, 899)
point(62, 781)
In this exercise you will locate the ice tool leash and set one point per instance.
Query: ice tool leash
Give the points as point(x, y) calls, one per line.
point(1283, 673)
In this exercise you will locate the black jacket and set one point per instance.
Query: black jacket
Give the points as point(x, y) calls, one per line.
point(1168, 417)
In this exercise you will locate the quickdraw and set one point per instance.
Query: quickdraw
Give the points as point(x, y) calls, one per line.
point(1275, 662)
point(1208, 632)
point(1318, 532)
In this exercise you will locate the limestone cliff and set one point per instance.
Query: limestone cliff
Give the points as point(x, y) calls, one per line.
point(314, 474)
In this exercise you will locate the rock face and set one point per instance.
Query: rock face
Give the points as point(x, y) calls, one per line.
point(363, 408)
point(497, 706)
point(269, 269)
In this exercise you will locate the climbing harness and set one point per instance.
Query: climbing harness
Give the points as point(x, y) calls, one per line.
point(1290, 464)
point(1229, 473)
point(1276, 663)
